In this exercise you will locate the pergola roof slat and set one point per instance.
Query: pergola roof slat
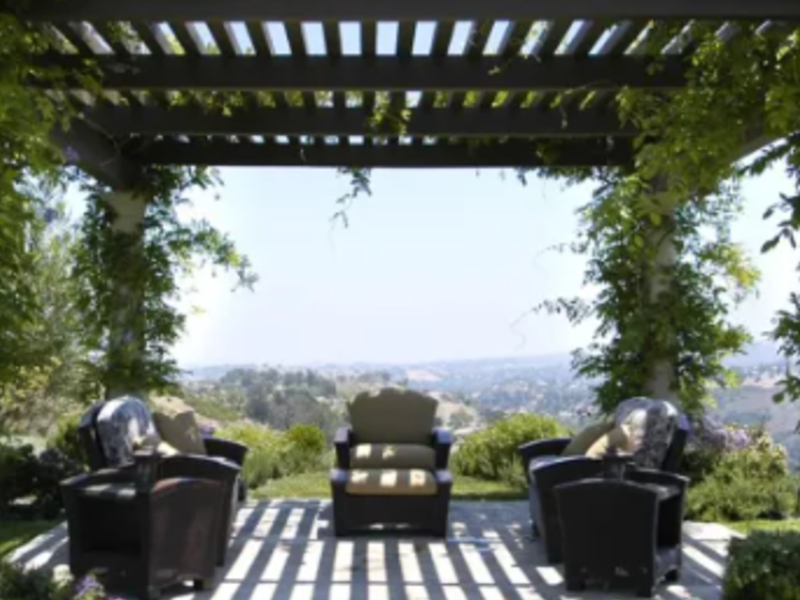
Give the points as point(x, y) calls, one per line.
point(473, 122)
point(258, 37)
point(152, 37)
point(512, 154)
point(380, 73)
point(224, 38)
point(187, 38)
point(418, 10)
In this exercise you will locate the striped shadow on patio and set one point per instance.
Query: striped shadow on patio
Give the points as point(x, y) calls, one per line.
point(285, 550)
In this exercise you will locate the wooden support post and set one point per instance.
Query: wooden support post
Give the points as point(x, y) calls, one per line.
point(662, 380)
point(126, 341)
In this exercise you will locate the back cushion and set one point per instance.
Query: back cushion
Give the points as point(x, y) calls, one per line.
point(181, 432)
point(392, 416)
point(121, 425)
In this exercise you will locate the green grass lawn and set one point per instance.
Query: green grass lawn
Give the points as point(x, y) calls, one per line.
point(14, 534)
point(316, 485)
point(750, 526)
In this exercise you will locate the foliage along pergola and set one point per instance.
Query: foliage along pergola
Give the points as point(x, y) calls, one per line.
point(305, 98)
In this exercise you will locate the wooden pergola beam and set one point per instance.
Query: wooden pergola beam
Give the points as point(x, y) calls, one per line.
point(222, 73)
point(97, 155)
point(472, 122)
point(407, 10)
point(512, 154)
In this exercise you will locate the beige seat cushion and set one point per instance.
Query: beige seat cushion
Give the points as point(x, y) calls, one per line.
point(181, 432)
point(392, 416)
point(392, 456)
point(391, 482)
point(580, 444)
point(619, 437)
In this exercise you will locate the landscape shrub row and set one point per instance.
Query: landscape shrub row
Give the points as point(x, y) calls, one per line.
point(29, 482)
point(737, 474)
point(492, 453)
point(276, 454)
point(763, 566)
point(17, 583)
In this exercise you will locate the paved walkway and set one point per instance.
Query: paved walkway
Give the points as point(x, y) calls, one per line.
point(285, 550)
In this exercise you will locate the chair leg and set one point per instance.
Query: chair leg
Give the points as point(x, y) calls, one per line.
point(646, 587)
point(203, 584)
point(574, 583)
point(674, 575)
point(149, 592)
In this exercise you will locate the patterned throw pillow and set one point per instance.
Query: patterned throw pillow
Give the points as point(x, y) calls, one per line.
point(651, 424)
point(120, 423)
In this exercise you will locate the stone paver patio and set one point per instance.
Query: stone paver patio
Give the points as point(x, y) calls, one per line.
point(285, 550)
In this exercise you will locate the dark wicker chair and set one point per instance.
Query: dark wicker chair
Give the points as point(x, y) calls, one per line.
point(387, 425)
point(612, 526)
point(551, 470)
point(223, 464)
point(163, 534)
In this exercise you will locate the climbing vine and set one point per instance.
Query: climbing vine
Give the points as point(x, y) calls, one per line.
point(131, 279)
point(743, 88)
point(128, 280)
point(684, 325)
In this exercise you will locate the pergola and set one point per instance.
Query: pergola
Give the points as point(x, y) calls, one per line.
point(476, 78)
point(474, 81)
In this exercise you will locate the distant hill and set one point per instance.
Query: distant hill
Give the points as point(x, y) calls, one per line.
point(760, 353)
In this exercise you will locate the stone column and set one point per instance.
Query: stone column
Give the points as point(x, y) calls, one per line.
point(125, 263)
point(662, 379)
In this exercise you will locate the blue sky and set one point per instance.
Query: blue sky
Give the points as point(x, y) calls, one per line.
point(435, 265)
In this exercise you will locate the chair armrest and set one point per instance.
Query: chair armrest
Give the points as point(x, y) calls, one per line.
point(98, 478)
point(233, 451)
point(657, 477)
point(569, 469)
point(198, 467)
point(343, 441)
point(442, 443)
point(551, 447)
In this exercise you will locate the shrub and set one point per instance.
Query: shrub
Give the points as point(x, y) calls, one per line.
point(745, 479)
point(66, 439)
point(34, 480)
point(17, 583)
point(275, 454)
point(763, 567)
point(492, 453)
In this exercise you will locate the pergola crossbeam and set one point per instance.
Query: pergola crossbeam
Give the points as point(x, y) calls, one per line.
point(401, 156)
point(419, 10)
point(191, 121)
point(96, 154)
point(457, 74)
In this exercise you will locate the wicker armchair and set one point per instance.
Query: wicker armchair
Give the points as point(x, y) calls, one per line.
point(391, 465)
point(223, 463)
point(634, 526)
point(546, 469)
point(144, 537)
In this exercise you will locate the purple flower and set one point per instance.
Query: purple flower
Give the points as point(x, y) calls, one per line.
point(207, 430)
point(88, 586)
point(71, 155)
